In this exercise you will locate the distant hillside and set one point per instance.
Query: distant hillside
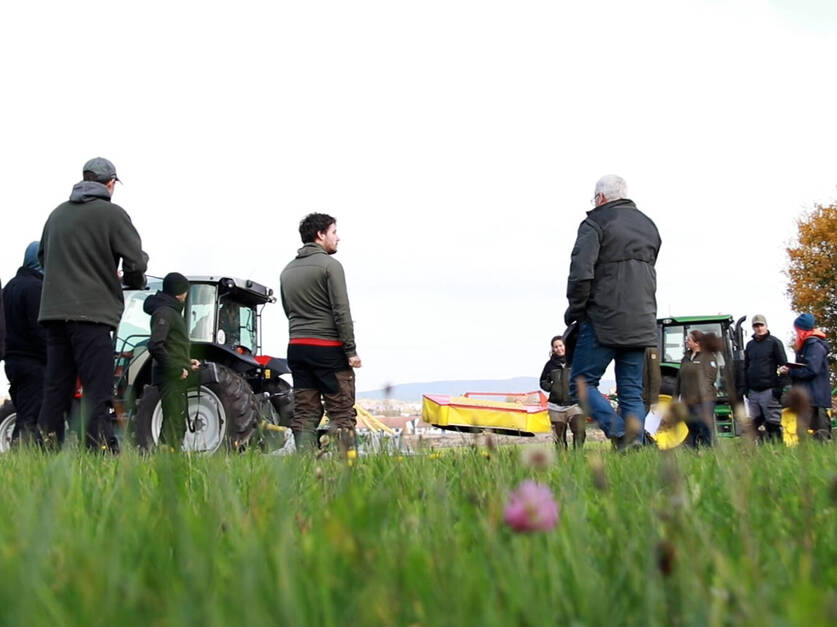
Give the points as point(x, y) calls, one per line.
point(411, 392)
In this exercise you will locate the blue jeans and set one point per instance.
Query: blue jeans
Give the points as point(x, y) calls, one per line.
point(590, 360)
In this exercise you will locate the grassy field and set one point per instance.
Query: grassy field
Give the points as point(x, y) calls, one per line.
point(737, 536)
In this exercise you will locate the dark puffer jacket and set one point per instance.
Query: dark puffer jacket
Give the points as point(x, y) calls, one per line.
point(555, 379)
point(25, 338)
point(762, 358)
point(813, 375)
point(612, 277)
point(169, 344)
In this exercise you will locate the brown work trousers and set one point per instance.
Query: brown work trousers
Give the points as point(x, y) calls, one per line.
point(322, 376)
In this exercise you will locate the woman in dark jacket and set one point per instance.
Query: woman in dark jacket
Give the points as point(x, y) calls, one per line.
point(555, 379)
point(696, 386)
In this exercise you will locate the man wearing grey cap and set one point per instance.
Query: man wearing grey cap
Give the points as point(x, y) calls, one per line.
point(763, 356)
point(83, 242)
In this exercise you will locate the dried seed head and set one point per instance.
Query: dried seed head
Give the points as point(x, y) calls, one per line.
point(318, 472)
point(537, 457)
point(666, 557)
point(597, 472)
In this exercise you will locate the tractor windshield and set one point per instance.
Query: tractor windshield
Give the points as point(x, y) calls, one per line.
point(134, 327)
point(674, 346)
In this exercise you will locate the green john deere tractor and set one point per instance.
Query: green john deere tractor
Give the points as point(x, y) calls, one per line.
point(671, 339)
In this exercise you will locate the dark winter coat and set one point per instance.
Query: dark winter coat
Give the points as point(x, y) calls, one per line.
point(696, 379)
point(762, 357)
point(813, 375)
point(169, 343)
point(25, 338)
point(315, 298)
point(2, 324)
point(555, 379)
point(81, 246)
point(612, 279)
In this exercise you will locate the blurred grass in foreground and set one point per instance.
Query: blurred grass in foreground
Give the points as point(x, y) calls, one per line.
point(736, 535)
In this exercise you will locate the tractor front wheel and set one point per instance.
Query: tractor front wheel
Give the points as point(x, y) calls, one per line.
point(222, 414)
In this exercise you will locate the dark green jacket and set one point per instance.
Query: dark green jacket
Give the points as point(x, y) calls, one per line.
point(169, 343)
point(81, 246)
point(696, 379)
point(315, 299)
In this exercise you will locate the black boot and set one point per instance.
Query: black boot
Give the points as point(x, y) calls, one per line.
point(773, 432)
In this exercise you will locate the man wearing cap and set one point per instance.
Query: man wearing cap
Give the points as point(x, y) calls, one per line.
point(169, 346)
point(811, 373)
point(763, 356)
point(83, 242)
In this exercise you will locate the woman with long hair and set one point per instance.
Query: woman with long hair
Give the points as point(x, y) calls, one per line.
point(696, 386)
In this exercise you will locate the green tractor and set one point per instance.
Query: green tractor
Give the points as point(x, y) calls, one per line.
point(242, 399)
point(671, 339)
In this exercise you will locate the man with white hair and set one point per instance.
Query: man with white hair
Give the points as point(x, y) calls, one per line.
point(612, 294)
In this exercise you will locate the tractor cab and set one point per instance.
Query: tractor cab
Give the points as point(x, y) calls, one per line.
point(240, 388)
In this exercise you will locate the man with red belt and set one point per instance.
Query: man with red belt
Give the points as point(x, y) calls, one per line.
point(321, 351)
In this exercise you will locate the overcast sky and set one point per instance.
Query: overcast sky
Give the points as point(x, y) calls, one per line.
point(457, 143)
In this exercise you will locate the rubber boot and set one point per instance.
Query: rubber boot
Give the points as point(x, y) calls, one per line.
point(346, 441)
point(305, 441)
point(559, 434)
point(578, 425)
point(772, 433)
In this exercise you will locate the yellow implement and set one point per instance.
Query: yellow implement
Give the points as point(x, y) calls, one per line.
point(672, 435)
point(519, 416)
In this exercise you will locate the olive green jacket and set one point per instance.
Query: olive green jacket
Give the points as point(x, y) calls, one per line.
point(315, 298)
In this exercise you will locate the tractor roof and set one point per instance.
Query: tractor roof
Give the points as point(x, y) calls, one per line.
point(694, 319)
point(245, 289)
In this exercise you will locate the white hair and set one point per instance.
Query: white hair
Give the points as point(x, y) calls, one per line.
point(612, 187)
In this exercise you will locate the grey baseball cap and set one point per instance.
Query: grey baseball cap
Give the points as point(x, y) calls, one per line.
point(102, 168)
point(759, 319)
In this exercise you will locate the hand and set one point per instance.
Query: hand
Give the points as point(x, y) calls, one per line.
point(354, 362)
point(784, 370)
point(184, 373)
point(195, 364)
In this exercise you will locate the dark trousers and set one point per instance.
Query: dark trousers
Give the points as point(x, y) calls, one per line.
point(82, 350)
point(175, 407)
point(701, 423)
point(26, 387)
point(322, 375)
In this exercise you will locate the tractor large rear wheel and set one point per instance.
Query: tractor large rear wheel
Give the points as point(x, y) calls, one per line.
point(222, 414)
point(8, 416)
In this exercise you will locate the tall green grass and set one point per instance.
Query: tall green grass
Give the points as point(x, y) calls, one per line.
point(738, 535)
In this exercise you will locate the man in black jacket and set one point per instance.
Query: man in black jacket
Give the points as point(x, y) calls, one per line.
point(83, 241)
point(763, 356)
point(169, 346)
point(612, 293)
point(25, 345)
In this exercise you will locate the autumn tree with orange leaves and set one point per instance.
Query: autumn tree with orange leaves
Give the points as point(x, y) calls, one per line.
point(812, 270)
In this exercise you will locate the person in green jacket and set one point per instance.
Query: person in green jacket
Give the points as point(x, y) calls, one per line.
point(169, 346)
point(696, 386)
point(321, 349)
point(82, 244)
